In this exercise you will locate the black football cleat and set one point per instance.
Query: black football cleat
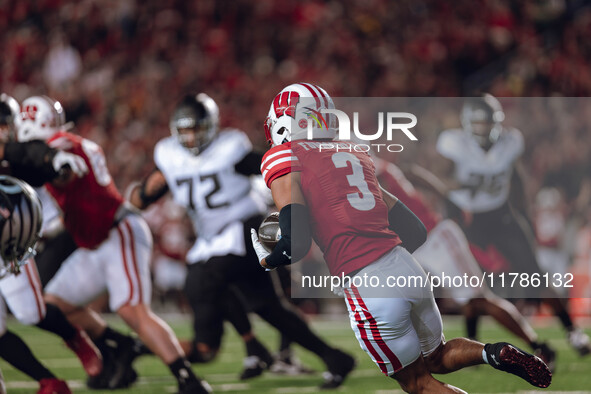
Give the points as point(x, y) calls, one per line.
point(123, 375)
point(117, 372)
point(288, 364)
point(105, 380)
point(253, 366)
point(340, 364)
point(101, 381)
point(506, 357)
point(199, 387)
point(258, 360)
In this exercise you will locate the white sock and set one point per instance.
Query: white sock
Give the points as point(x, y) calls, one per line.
point(484, 356)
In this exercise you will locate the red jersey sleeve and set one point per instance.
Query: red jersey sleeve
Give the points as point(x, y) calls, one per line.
point(279, 161)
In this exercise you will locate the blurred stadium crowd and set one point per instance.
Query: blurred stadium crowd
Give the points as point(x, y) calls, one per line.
point(118, 67)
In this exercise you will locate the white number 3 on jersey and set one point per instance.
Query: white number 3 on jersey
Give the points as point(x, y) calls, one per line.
point(366, 201)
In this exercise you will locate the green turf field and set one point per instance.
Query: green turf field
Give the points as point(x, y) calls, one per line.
point(573, 373)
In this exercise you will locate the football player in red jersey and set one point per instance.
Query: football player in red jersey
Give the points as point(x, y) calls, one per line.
point(332, 194)
point(114, 243)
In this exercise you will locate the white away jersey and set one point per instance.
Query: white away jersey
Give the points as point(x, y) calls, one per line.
point(485, 176)
point(217, 198)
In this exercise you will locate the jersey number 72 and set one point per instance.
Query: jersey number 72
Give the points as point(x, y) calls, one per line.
point(190, 181)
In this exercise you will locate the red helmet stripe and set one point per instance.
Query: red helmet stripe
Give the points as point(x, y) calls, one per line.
point(324, 96)
point(311, 89)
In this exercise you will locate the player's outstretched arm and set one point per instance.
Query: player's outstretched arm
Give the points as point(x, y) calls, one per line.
point(36, 163)
point(150, 190)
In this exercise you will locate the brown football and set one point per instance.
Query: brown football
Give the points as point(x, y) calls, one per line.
point(269, 231)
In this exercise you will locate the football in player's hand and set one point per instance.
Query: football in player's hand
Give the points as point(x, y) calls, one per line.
point(269, 231)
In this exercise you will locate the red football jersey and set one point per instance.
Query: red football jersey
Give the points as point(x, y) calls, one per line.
point(89, 203)
point(393, 180)
point(348, 215)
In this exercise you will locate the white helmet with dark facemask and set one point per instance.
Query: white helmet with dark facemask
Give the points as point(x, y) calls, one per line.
point(482, 117)
point(195, 122)
point(296, 106)
point(20, 223)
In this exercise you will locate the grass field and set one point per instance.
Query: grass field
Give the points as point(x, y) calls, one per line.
point(573, 373)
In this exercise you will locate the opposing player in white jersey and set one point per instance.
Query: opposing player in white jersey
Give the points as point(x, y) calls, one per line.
point(481, 175)
point(208, 173)
point(328, 190)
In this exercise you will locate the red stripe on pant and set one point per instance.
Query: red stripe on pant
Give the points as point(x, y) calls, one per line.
point(134, 260)
point(125, 265)
point(364, 337)
point(38, 297)
point(37, 282)
point(373, 325)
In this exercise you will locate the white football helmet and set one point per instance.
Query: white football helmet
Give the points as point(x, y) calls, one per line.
point(40, 118)
point(20, 223)
point(293, 108)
